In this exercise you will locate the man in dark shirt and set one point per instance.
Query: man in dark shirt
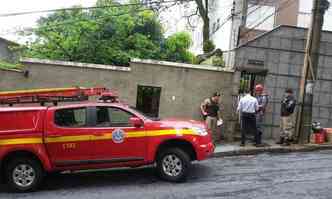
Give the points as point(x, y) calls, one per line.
point(288, 104)
point(211, 112)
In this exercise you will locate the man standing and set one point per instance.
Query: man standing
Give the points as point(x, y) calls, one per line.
point(288, 104)
point(247, 108)
point(211, 111)
point(262, 99)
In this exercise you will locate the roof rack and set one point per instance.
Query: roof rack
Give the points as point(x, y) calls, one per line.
point(53, 95)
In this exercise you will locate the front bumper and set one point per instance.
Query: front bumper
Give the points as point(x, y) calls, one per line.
point(205, 151)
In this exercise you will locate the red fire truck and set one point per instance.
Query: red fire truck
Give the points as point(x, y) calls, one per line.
point(57, 136)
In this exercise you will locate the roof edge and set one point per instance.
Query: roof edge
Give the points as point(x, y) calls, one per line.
point(10, 42)
point(270, 31)
point(74, 64)
point(12, 70)
point(180, 65)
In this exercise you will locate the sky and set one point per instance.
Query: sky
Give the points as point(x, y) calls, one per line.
point(8, 25)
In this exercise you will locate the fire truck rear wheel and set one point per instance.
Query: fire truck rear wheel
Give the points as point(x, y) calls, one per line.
point(173, 165)
point(24, 174)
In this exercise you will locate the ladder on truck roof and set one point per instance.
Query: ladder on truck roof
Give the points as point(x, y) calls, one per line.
point(52, 95)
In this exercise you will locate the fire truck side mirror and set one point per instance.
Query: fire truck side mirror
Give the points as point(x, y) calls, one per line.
point(136, 122)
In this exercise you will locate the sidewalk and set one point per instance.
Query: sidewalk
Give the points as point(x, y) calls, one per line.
point(234, 149)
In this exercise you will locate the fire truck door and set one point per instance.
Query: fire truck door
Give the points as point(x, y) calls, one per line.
point(68, 137)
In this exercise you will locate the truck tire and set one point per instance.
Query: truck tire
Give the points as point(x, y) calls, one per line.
point(173, 165)
point(24, 174)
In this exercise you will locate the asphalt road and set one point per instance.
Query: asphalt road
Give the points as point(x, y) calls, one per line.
point(296, 175)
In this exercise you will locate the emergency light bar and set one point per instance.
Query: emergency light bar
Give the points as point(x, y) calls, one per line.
point(52, 95)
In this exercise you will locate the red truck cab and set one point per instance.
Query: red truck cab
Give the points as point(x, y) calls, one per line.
point(37, 140)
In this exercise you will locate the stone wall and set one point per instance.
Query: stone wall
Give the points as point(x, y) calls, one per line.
point(282, 51)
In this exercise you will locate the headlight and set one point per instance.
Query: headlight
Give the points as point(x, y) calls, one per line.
point(200, 131)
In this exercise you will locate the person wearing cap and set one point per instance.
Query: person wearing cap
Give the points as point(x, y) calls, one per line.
point(211, 112)
point(262, 99)
point(247, 108)
point(288, 105)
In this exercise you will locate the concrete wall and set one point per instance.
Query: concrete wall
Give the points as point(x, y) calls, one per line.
point(189, 84)
point(282, 51)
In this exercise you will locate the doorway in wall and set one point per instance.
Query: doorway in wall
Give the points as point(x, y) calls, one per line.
point(249, 80)
point(148, 100)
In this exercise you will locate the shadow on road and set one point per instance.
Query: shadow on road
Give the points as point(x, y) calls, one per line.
point(110, 178)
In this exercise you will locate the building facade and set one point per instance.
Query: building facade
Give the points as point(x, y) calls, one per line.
point(254, 17)
point(6, 53)
point(276, 59)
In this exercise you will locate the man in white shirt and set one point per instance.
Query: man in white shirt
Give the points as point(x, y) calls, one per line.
point(247, 108)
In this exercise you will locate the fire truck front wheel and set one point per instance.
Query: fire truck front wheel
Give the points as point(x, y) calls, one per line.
point(173, 165)
point(24, 174)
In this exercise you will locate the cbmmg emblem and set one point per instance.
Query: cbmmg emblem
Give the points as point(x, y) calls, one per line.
point(118, 136)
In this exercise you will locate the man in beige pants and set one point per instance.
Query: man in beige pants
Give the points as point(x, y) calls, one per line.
point(211, 112)
point(286, 121)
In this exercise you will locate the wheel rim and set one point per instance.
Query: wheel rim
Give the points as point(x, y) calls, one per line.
point(23, 175)
point(172, 165)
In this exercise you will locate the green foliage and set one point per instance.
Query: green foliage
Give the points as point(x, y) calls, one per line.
point(214, 58)
point(218, 61)
point(106, 36)
point(176, 48)
point(6, 65)
point(244, 86)
point(214, 61)
point(208, 46)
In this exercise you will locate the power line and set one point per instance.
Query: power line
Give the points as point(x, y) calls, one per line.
point(100, 7)
point(258, 7)
point(229, 17)
point(289, 2)
point(87, 8)
point(285, 5)
point(47, 27)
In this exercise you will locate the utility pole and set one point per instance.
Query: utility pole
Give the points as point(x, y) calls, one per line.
point(243, 24)
point(309, 72)
point(244, 13)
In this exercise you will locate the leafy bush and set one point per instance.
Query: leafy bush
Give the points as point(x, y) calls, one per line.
point(208, 46)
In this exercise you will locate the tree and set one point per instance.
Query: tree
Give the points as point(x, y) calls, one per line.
point(202, 9)
point(108, 35)
point(176, 48)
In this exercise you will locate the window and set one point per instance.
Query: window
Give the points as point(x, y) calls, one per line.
point(103, 118)
point(112, 117)
point(148, 98)
point(74, 117)
point(249, 80)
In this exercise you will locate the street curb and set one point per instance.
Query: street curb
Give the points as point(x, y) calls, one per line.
point(273, 150)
